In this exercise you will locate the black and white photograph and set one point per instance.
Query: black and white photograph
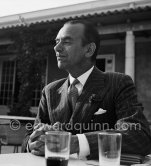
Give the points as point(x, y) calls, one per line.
point(75, 82)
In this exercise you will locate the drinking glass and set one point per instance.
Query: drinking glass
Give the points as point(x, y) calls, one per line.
point(57, 148)
point(109, 148)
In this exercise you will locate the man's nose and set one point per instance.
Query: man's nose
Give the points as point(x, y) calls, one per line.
point(58, 47)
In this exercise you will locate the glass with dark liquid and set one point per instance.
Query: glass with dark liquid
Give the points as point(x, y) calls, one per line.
point(56, 161)
point(57, 148)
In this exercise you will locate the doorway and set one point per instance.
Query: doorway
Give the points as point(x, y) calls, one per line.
point(106, 62)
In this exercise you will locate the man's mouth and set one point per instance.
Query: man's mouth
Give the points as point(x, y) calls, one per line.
point(59, 58)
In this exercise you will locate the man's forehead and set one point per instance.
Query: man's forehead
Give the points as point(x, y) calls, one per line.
point(71, 30)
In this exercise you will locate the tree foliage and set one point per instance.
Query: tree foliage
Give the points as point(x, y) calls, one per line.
point(32, 51)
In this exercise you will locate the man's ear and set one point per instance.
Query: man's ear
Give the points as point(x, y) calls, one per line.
point(90, 49)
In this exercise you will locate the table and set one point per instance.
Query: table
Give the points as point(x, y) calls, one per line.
point(13, 130)
point(28, 159)
point(6, 117)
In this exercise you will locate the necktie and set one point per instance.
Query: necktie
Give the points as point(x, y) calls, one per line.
point(73, 94)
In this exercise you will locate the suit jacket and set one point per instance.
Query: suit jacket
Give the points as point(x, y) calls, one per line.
point(113, 92)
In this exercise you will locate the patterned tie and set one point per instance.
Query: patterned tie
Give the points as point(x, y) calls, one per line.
point(73, 93)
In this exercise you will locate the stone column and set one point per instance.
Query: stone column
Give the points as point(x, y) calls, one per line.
point(130, 54)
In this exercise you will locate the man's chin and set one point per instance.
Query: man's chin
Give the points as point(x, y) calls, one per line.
point(61, 66)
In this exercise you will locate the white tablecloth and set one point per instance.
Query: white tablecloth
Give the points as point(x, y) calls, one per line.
point(27, 159)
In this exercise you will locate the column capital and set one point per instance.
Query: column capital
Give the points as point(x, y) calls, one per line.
point(129, 33)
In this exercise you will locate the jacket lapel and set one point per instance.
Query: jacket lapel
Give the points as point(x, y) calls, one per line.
point(91, 97)
point(61, 113)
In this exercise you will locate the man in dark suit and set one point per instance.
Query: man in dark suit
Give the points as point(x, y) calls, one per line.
point(97, 101)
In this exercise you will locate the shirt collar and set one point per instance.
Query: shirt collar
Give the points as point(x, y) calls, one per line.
point(83, 78)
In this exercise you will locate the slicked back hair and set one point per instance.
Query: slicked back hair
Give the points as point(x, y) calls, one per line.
point(90, 35)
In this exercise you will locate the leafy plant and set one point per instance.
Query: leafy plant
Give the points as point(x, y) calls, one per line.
point(32, 50)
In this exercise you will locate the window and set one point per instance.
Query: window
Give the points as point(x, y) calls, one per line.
point(36, 96)
point(106, 62)
point(7, 81)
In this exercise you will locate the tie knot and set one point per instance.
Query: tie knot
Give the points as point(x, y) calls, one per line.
point(76, 81)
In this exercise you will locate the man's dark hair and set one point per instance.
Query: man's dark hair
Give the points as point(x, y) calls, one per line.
point(91, 34)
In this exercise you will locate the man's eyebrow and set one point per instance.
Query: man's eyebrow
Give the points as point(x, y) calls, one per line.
point(64, 38)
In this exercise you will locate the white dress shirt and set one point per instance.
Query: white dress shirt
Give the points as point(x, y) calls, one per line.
point(84, 149)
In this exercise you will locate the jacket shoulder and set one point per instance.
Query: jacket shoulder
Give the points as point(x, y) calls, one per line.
point(117, 79)
point(114, 74)
point(117, 75)
point(56, 84)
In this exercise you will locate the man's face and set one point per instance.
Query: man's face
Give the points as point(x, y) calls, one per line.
point(69, 50)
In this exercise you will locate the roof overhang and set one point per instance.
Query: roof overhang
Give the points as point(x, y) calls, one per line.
point(73, 11)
